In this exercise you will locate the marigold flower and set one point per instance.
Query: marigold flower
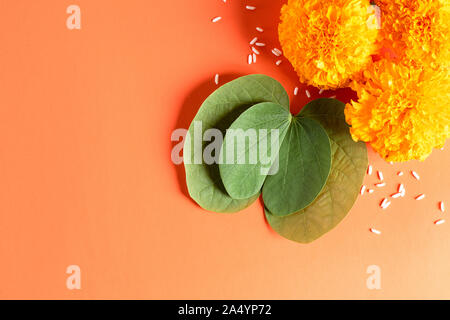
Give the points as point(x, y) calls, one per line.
point(402, 111)
point(416, 32)
point(327, 42)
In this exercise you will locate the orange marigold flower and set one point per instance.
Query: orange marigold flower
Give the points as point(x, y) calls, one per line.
point(402, 111)
point(416, 32)
point(327, 42)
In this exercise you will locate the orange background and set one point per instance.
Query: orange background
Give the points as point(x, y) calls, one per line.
point(86, 176)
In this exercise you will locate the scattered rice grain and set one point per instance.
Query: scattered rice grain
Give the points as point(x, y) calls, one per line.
point(363, 188)
point(396, 195)
point(375, 231)
point(420, 197)
point(380, 175)
point(278, 51)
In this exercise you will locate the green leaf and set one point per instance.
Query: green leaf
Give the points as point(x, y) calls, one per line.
point(219, 111)
point(250, 148)
point(341, 190)
point(304, 165)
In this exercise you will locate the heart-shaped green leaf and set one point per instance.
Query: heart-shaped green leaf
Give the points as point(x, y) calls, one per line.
point(341, 190)
point(304, 165)
point(219, 111)
point(250, 148)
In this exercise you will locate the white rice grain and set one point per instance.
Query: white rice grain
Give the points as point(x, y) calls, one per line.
point(375, 231)
point(278, 62)
point(250, 7)
point(442, 206)
point(380, 175)
point(259, 29)
point(260, 44)
point(253, 40)
point(295, 91)
point(420, 197)
point(415, 175)
point(363, 188)
point(250, 58)
point(216, 79)
point(396, 195)
point(440, 221)
point(275, 53)
point(369, 169)
point(307, 93)
point(216, 19)
point(255, 50)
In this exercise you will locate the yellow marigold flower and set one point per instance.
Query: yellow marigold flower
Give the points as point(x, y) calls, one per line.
point(416, 32)
point(327, 42)
point(402, 111)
